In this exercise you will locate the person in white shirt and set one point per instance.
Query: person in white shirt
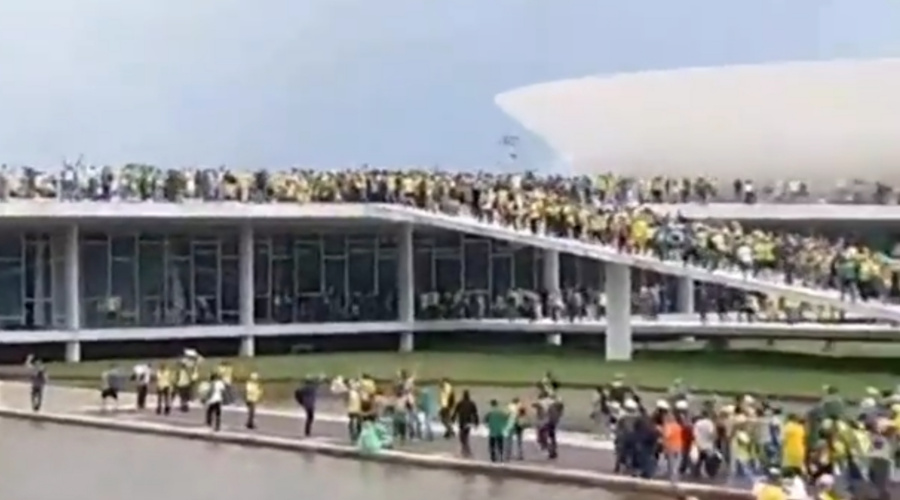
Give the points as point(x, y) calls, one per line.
point(214, 397)
point(141, 374)
point(707, 460)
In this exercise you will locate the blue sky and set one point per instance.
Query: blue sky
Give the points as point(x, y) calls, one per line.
point(337, 82)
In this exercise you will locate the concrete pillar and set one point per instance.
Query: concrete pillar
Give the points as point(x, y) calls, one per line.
point(550, 272)
point(40, 294)
point(406, 286)
point(685, 295)
point(246, 293)
point(618, 312)
point(73, 293)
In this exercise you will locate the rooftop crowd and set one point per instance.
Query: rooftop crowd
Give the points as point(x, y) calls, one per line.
point(611, 211)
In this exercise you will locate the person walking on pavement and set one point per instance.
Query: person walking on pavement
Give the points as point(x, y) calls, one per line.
point(306, 398)
point(252, 394)
point(465, 414)
point(142, 375)
point(497, 422)
point(163, 390)
point(215, 397)
point(38, 379)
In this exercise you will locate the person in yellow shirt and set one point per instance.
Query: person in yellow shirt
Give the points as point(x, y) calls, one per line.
point(183, 384)
point(163, 390)
point(770, 488)
point(354, 410)
point(448, 402)
point(518, 415)
point(253, 393)
point(226, 374)
point(793, 452)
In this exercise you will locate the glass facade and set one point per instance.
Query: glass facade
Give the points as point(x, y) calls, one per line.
point(171, 279)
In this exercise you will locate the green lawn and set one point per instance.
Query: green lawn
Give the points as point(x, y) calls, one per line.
point(791, 370)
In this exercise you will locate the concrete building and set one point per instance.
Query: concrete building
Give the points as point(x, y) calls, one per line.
point(76, 272)
point(816, 121)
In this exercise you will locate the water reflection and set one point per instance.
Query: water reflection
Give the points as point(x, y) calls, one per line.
point(99, 465)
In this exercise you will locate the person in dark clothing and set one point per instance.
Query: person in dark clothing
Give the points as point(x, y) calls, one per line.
point(306, 398)
point(38, 378)
point(465, 415)
point(646, 444)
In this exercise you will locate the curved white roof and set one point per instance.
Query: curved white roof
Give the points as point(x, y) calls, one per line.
point(812, 120)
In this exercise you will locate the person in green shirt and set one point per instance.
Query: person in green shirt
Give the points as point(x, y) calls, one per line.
point(496, 420)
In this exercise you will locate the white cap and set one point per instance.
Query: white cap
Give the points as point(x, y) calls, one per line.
point(662, 404)
point(681, 405)
point(867, 403)
point(615, 405)
point(630, 404)
point(825, 480)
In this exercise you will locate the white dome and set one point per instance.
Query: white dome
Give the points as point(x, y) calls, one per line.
point(818, 121)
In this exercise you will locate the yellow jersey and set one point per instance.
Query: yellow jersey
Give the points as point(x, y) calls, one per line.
point(184, 378)
point(771, 492)
point(163, 378)
point(253, 392)
point(354, 402)
point(793, 452)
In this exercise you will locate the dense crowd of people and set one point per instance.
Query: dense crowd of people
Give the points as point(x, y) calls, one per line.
point(78, 181)
point(838, 449)
point(602, 209)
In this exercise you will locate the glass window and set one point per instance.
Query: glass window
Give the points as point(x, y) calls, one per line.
point(261, 270)
point(568, 271)
point(387, 276)
point(123, 245)
point(151, 270)
point(11, 284)
point(281, 245)
point(501, 275)
point(477, 265)
point(309, 268)
point(387, 243)
point(261, 312)
point(334, 245)
point(231, 285)
point(124, 285)
point(447, 275)
point(336, 276)
point(499, 247)
point(361, 272)
point(10, 245)
point(423, 269)
point(524, 269)
point(180, 297)
point(283, 277)
point(94, 270)
point(179, 245)
point(591, 274)
point(448, 241)
point(206, 274)
point(230, 244)
point(359, 243)
point(152, 313)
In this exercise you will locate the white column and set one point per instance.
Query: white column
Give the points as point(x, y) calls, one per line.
point(550, 272)
point(40, 294)
point(246, 293)
point(685, 296)
point(618, 312)
point(406, 286)
point(73, 293)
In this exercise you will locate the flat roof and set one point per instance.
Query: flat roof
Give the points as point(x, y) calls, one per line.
point(816, 121)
